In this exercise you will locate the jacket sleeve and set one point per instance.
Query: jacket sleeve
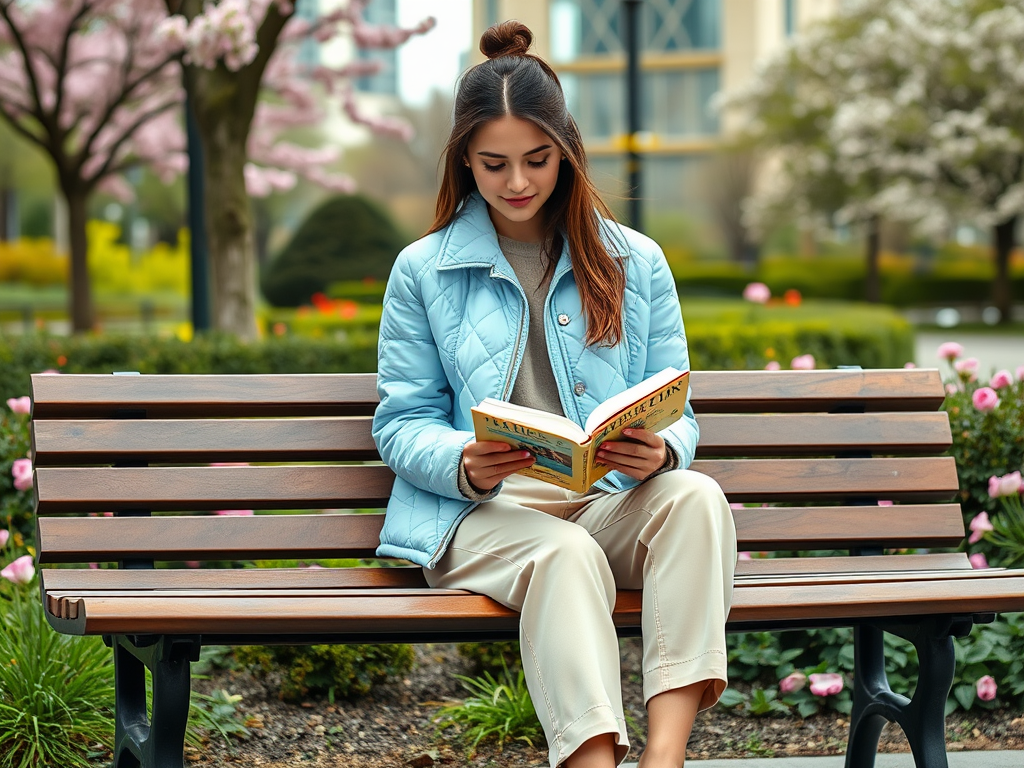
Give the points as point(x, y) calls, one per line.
point(666, 346)
point(412, 426)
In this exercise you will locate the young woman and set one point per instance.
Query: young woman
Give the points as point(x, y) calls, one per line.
point(525, 289)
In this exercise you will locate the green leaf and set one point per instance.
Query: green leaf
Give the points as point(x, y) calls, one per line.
point(965, 695)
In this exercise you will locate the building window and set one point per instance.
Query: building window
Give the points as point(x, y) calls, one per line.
point(594, 27)
point(383, 12)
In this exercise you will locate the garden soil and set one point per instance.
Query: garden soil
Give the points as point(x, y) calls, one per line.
point(395, 725)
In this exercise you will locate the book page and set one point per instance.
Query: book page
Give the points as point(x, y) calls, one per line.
point(613, 405)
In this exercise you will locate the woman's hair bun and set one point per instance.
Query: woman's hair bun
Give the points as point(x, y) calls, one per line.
point(507, 38)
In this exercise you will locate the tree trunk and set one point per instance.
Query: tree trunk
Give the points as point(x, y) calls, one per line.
point(872, 279)
point(80, 294)
point(1002, 289)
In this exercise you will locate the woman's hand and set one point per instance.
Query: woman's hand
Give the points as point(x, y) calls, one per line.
point(639, 457)
point(488, 463)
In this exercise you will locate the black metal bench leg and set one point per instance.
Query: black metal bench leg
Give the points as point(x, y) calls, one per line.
point(923, 717)
point(159, 741)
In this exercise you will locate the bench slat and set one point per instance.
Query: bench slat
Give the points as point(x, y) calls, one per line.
point(287, 537)
point(408, 577)
point(317, 487)
point(103, 396)
point(792, 602)
point(161, 441)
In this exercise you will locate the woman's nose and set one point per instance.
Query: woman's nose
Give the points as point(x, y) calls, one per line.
point(517, 181)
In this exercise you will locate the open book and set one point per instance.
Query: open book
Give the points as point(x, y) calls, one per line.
point(564, 452)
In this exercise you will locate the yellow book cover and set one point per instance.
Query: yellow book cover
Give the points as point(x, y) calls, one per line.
point(563, 450)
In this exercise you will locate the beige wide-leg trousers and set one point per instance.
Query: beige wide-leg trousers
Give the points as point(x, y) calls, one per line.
point(558, 557)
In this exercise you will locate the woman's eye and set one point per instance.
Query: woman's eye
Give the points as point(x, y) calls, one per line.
point(539, 163)
point(494, 168)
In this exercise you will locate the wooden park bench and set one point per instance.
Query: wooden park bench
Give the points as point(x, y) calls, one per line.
point(822, 447)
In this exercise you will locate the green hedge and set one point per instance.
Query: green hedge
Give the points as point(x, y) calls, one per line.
point(722, 335)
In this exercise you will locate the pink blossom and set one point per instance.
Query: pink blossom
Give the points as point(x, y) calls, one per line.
point(884, 503)
point(950, 350)
point(826, 683)
point(1005, 485)
point(773, 365)
point(1020, 373)
point(802, 363)
point(21, 571)
point(978, 561)
point(792, 683)
point(758, 293)
point(952, 389)
point(909, 365)
point(743, 556)
point(967, 368)
point(985, 398)
point(4, 536)
point(20, 404)
point(978, 526)
point(1001, 379)
point(21, 469)
point(234, 512)
point(986, 688)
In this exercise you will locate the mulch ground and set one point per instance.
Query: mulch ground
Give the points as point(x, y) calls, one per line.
point(394, 726)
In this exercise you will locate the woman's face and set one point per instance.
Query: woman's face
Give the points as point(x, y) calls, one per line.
point(515, 165)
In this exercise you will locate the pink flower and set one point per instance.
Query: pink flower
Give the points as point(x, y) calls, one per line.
point(987, 688)
point(803, 363)
point(950, 350)
point(826, 683)
point(978, 561)
point(978, 526)
point(910, 365)
point(759, 293)
point(4, 536)
point(884, 503)
point(1005, 485)
point(743, 556)
point(21, 571)
point(773, 366)
point(1020, 373)
point(952, 389)
point(985, 398)
point(20, 404)
point(234, 512)
point(1001, 379)
point(22, 472)
point(968, 369)
point(792, 683)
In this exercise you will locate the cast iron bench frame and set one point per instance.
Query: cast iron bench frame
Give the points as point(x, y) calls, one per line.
point(830, 443)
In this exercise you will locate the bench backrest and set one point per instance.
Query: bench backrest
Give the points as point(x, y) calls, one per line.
point(822, 447)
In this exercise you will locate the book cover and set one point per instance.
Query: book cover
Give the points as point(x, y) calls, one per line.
point(564, 451)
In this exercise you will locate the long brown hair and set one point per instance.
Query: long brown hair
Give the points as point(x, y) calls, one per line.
point(513, 82)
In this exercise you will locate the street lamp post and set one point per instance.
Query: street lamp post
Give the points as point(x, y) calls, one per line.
point(631, 38)
point(197, 222)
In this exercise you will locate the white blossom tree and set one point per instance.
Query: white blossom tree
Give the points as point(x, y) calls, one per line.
point(911, 110)
point(244, 82)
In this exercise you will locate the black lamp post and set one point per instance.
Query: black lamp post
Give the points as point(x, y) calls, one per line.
point(631, 38)
point(197, 222)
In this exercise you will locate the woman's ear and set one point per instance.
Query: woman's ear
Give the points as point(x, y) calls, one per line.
point(465, 161)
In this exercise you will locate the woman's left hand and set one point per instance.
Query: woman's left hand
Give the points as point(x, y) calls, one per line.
point(639, 457)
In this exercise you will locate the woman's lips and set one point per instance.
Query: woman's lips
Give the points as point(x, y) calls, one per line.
point(518, 202)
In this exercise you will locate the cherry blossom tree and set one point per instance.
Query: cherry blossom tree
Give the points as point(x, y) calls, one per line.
point(79, 80)
point(246, 88)
point(910, 110)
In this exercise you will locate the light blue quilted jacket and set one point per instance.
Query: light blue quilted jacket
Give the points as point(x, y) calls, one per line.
point(453, 332)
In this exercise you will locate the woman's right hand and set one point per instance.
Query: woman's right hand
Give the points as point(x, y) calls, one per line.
point(488, 463)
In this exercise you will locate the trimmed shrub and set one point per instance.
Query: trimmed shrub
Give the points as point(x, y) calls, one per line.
point(347, 238)
point(21, 356)
point(343, 671)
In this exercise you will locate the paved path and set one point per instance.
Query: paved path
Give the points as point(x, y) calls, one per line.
point(976, 759)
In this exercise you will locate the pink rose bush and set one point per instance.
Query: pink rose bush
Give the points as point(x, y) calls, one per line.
point(826, 683)
point(978, 561)
point(22, 472)
point(950, 351)
point(21, 571)
point(985, 399)
point(1001, 379)
point(757, 293)
point(20, 404)
point(1005, 485)
point(792, 683)
point(986, 688)
point(803, 363)
point(979, 525)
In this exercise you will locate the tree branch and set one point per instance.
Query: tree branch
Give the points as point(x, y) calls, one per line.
point(33, 80)
point(61, 66)
point(21, 129)
point(142, 119)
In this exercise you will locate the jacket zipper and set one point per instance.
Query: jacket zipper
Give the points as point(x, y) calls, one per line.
point(519, 336)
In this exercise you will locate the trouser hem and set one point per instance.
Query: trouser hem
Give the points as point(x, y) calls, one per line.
point(710, 666)
point(595, 721)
